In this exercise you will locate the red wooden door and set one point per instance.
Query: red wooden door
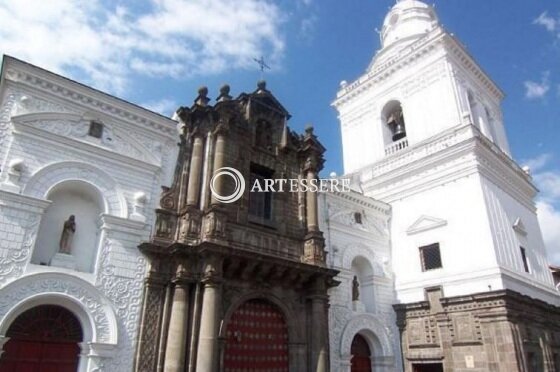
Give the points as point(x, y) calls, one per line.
point(361, 355)
point(257, 339)
point(42, 339)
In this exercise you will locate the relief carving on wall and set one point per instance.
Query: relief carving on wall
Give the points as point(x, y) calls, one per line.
point(150, 333)
point(12, 265)
point(24, 289)
point(125, 293)
point(426, 78)
point(346, 216)
point(421, 332)
point(111, 138)
point(27, 104)
point(5, 124)
point(463, 330)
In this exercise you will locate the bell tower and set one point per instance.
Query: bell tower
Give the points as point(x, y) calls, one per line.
point(420, 83)
point(422, 130)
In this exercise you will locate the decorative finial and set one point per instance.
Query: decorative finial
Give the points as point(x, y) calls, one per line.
point(309, 129)
point(202, 99)
point(261, 84)
point(224, 93)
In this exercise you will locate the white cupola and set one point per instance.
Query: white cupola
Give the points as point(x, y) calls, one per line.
point(408, 21)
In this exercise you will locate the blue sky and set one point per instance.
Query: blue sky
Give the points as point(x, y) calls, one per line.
point(158, 52)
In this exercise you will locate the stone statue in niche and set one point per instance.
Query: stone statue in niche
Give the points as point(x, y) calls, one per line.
point(68, 231)
point(355, 289)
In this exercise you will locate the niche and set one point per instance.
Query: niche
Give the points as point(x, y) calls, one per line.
point(85, 203)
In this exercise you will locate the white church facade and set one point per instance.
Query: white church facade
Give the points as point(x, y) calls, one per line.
point(66, 149)
point(440, 261)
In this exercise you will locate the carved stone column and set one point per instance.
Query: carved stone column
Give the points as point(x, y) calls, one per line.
point(193, 192)
point(208, 353)
point(319, 335)
point(219, 157)
point(311, 198)
point(175, 353)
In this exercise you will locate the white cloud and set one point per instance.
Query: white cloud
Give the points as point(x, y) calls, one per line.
point(164, 106)
point(549, 219)
point(307, 27)
point(549, 23)
point(548, 204)
point(536, 90)
point(549, 184)
point(167, 38)
point(538, 163)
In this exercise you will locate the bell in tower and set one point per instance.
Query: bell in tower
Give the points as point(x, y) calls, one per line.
point(395, 121)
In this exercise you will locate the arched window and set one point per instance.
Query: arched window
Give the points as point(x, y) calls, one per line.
point(491, 133)
point(69, 231)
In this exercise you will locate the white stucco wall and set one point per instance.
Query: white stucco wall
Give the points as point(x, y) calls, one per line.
point(44, 123)
point(360, 249)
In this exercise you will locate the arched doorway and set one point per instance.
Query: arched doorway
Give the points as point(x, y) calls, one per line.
point(257, 338)
point(43, 339)
point(361, 355)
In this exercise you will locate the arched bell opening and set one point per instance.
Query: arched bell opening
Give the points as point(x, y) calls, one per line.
point(43, 338)
point(394, 121)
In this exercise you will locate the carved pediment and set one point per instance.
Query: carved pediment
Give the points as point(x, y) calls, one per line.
point(27, 104)
point(348, 217)
point(424, 223)
point(77, 127)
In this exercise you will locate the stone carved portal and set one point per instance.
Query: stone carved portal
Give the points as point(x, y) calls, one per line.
point(43, 338)
point(257, 339)
point(361, 355)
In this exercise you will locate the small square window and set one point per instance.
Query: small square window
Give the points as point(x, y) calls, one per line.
point(430, 257)
point(95, 129)
point(358, 218)
point(524, 258)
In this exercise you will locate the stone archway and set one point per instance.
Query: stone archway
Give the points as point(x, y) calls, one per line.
point(95, 313)
point(42, 181)
point(378, 338)
point(43, 338)
point(257, 338)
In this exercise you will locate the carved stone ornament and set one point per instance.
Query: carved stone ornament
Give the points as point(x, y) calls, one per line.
point(12, 265)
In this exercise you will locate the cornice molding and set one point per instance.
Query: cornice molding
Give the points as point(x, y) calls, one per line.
point(20, 73)
point(355, 198)
point(22, 202)
point(453, 154)
point(425, 46)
